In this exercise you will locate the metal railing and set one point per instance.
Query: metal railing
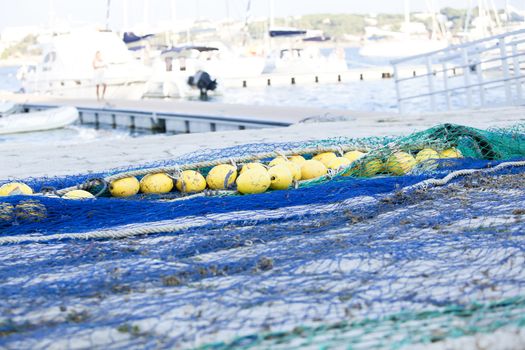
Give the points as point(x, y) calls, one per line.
point(481, 73)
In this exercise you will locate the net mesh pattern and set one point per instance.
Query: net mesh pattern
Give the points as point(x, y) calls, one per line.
point(357, 262)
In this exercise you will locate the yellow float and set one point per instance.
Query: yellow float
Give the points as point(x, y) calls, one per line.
point(338, 163)
point(156, 183)
point(15, 188)
point(191, 181)
point(295, 169)
point(281, 177)
point(312, 169)
point(249, 166)
point(353, 155)
point(297, 159)
point(451, 153)
point(372, 168)
point(126, 187)
point(78, 194)
point(400, 163)
point(253, 181)
point(325, 157)
point(221, 176)
point(277, 161)
point(426, 154)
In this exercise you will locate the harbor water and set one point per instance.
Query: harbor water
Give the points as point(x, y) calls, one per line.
point(378, 95)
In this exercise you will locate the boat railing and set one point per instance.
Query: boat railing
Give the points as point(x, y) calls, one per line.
point(480, 73)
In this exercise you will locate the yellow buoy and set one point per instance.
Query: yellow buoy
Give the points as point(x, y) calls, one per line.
point(253, 181)
point(191, 181)
point(426, 154)
point(400, 163)
point(339, 162)
point(325, 157)
point(7, 212)
point(295, 169)
point(156, 183)
point(372, 168)
point(312, 169)
point(277, 161)
point(15, 188)
point(451, 153)
point(125, 187)
point(78, 194)
point(281, 177)
point(30, 210)
point(249, 166)
point(353, 155)
point(221, 176)
point(297, 159)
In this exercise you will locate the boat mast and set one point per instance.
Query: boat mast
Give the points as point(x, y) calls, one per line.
point(406, 30)
point(146, 15)
point(272, 13)
point(173, 21)
point(246, 19)
point(467, 18)
point(108, 6)
point(407, 13)
point(51, 13)
point(125, 23)
point(496, 16)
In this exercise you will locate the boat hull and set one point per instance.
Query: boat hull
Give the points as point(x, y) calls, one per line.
point(54, 118)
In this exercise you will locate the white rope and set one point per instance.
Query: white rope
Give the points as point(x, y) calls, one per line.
point(184, 223)
point(463, 172)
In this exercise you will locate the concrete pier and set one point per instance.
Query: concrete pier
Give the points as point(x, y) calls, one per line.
point(173, 117)
point(43, 158)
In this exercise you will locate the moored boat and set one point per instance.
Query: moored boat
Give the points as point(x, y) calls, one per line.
point(54, 118)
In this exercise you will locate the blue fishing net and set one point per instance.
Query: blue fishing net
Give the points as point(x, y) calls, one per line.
point(349, 262)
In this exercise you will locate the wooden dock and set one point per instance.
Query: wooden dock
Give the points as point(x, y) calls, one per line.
point(168, 116)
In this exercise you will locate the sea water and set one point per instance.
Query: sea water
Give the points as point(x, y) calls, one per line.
point(367, 95)
point(377, 95)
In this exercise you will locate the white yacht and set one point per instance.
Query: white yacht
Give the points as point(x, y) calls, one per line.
point(412, 39)
point(294, 53)
point(396, 48)
point(174, 66)
point(66, 68)
point(224, 62)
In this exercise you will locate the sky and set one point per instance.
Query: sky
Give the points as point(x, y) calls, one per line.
point(36, 12)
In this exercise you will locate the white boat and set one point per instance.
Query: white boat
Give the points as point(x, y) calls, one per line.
point(7, 108)
point(305, 61)
point(295, 53)
point(174, 66)
point(412, 39)
point(54, 118)
point(66, 67)
point(223, 62)
point(396, 48)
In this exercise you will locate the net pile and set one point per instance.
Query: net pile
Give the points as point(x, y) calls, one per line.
point(353, 261)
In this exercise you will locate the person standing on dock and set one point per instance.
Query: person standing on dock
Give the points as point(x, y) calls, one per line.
point(99, 67)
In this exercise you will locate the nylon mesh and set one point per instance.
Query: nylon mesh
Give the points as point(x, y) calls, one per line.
point(349, 262)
